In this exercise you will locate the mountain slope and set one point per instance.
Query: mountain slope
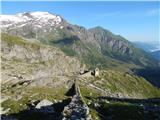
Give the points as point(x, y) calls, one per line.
point(156, 54)
point(95, 47)
point(153, 50)
point(144, 46)
point(25, 60)
point(119, 48)
point(118, 84)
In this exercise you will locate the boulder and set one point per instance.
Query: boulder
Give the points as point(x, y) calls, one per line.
point(45, 106)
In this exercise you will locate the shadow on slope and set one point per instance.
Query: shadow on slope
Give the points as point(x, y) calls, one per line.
point(71, 91)
point(150, 74)
point(37, 114)
point(109, 108)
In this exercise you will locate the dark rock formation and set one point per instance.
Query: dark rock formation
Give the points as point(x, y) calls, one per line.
point(77, 109)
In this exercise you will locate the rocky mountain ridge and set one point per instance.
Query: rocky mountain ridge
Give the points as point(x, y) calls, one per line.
point(93, 46)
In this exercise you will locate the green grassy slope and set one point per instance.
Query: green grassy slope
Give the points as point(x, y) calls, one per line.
point(125, 84)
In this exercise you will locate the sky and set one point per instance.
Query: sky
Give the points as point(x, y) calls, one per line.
point(136, 21)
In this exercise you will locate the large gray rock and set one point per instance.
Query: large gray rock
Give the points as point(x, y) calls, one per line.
point(45, 106)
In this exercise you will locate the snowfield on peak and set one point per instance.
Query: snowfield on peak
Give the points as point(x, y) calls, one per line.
point(39, 19)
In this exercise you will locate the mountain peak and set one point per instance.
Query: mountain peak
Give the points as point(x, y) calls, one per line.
point(98, 27)
point(42, 14)
point(35, 13)
point(37, 17)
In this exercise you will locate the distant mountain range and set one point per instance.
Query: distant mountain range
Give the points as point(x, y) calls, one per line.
point(156, 54)
point(150, 48)
point(95, 47)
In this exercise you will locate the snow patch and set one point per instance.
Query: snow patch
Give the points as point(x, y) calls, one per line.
point(39, 19)
point(10, 18)
point(46, 17)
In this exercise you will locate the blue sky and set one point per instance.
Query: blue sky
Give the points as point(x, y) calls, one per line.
point(136, 21)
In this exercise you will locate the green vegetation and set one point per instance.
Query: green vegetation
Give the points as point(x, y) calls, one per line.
point(122, 111)
point(94, 114)
point(89, 54)
point(28, 94)
point(12, 40)
point(68, 51)
point(65, 44)
point(123, 84)
point(129, 84)
point(15, 106)
point(89, 92)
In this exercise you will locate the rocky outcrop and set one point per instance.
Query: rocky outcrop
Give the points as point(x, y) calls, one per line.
point(23, 60)
point(113, 42)
point(45, 106)
point(77, 109)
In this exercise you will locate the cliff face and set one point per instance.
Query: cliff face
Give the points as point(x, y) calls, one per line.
point(115, 43)
point(29, 61)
